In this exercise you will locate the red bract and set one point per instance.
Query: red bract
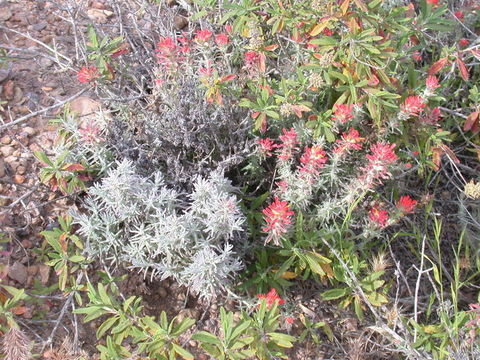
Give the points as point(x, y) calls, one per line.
point(88, 74)
point(350, 141)
point(379, 216)
point(463, 42)
point(221, 39)
point(166, 45)
point(459, 14)
point(271, 297)
point(417, 56)
point(251, 59)
point(289, 144)
point(203, 35)
point(382, 153)
point(278, 216)
point(432, 83)
point(266, 146)
point(406, 204)
point(431, 117)
point(90, 132)
point(432, 2)
point(313, 159)
point(343, 113)
point(412, 106)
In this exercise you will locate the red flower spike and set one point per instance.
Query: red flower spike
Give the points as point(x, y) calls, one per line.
point(266, 146)
point(343, 113)
point(432, 83)
point(278, 217)
point(313, 159)
point(271, 297)
point(412, 106)
point(203, 35)
point(88, 74)
point(289, 144)
point(221, 39)
point(406, 204)
point(379, 216)
point(350, 141)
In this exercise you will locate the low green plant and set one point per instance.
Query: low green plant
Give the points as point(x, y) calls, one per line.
point(125, 323)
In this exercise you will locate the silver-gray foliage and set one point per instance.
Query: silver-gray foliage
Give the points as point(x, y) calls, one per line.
point(138, 221)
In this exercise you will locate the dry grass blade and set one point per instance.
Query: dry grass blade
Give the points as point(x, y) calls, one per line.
point(16, 345)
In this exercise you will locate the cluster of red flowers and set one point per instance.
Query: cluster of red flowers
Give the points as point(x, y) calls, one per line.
point(266, 146)
point(343, 113)
point(382, 155)
point(313, 159)
point(289, 144)
point(412, 106)
point(349, 141)
point(406, 204)
point(271, 298)
point(380, 217)
point(88, 74)
point(432, 83)
point(252, 59)
point(278, 217)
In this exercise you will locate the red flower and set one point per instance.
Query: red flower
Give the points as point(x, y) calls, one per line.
point(343, 113)
point(463, 42)
point(289, 144)
point(166, 45)
point(289, 320)
point(405, 204)
point(266, 146)
point(221, 39)
point(432, 82)
point(349, 141)
point(327, 32)
point(417, 56)
point(228, 29)
point(313, 159)
point(431, 117)
point(271, 297)
point(379, 216)
point(432, 2)
point(412, 106)
point(88, 74)
point(278, 216)
point(459, 15)
point(203, 35)
point(252, 59)
point(382, 153)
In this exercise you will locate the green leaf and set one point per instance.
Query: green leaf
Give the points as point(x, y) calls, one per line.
point(183, 326)
point(282, 340)
point(335, 294)
point(182, 352)
point(206, 337)
point(107, 324)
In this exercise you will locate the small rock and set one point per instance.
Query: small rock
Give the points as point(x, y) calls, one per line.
point(18, 272)
point(5, 13)
point(19, 179)
point(29, 130)
point(162, 292)
point(98, 5)
point(171, 2)
point(10, 159)
point(23, 110)
point(98, 15)
point(14, 165)
point(17, 153)
point(6, 140)
point(40, 26)
point(84, 105)
point(8, 90)
point(17, 95)
point(2, 168)
point(45, 62)
point(192, 343)
point(6, 150)
point(44, 271)
point(21, 170)
point(32, 270)
point(27, 244)
point(34, 147)
point(179, 22)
